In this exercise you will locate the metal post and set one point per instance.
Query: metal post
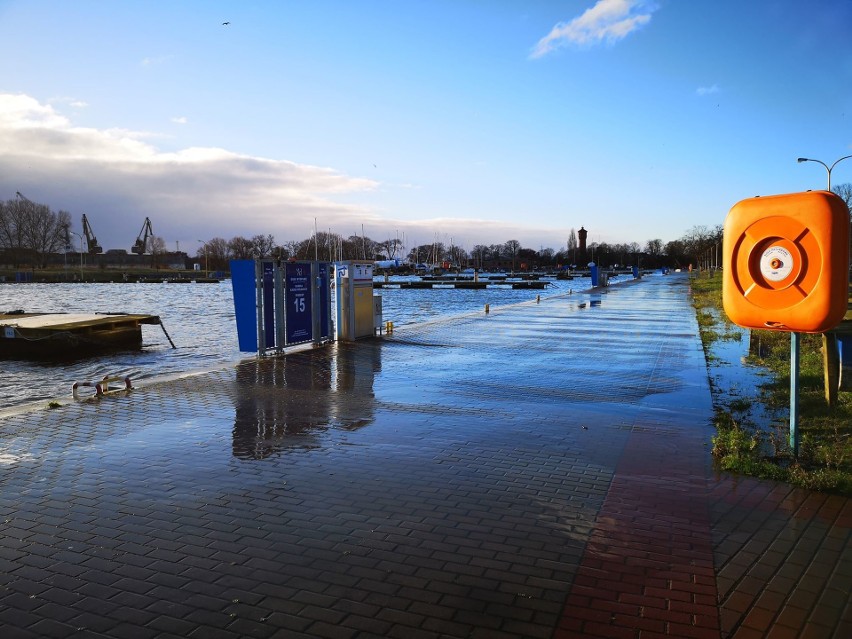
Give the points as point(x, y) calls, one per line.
point(794, 392)
point(280, 307)
point(261, 335)
point(315, 303)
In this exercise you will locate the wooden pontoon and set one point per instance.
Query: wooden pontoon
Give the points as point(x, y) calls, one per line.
point(69, 334)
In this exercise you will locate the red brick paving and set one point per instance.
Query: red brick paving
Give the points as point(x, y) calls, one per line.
point(648, 565)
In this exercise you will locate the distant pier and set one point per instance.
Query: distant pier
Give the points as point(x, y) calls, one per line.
point(464, 284)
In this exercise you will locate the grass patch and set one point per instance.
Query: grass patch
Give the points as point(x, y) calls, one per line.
point(825, 447)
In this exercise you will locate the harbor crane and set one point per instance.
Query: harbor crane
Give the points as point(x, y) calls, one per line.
point(141, 245)
point(91, 240)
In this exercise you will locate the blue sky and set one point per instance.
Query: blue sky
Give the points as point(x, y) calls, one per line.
point(474, 121)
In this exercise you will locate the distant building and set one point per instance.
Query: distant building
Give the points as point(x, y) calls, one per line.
point(120, 258)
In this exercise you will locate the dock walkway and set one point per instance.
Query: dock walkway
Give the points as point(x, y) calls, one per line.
point(541, 471)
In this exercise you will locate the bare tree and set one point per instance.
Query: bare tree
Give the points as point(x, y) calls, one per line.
point(12, 229)
point(44, 233)
point(512, 247)
point(241, 248)
point(844, 191)
point(291, 249)
point(31, 230)
point(654, 248)
point(391, 247)
point(572, 241)
point(157, 247)
point(216, 254)
point(262, 246)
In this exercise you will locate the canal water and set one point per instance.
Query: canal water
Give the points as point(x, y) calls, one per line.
point(200, 320)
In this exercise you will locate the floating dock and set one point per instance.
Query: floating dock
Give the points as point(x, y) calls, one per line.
point(69, 334)
point(463, 284)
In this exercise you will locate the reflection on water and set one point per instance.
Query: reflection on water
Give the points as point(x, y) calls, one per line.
point(290, 401)
point(200, 320)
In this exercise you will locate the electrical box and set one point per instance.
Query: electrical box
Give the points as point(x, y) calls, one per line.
point(354, 283)
point(786, 262)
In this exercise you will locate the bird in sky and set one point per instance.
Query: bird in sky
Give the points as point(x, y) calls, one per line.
point(225, 24)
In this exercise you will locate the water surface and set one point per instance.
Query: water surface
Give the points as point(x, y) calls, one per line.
point(200, 320)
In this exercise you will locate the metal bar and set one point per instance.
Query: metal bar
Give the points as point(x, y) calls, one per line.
point(280, 302)
point(794, 392)
point(258, 282)
point(163, 326)
point(315, 303)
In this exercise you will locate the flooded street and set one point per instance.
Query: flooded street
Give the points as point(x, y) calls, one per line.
point(200, 320)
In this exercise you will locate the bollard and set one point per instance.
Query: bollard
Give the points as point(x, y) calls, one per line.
point(538, 299)
point(77, 385)
point(487, 309)
point(388, 327)
point(103, 386)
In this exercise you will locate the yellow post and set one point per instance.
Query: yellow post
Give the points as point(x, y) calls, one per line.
point(831, 367)
point(487, 309)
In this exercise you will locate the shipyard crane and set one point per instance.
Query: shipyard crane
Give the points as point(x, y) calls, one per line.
point(91, 240)
point(141, 245)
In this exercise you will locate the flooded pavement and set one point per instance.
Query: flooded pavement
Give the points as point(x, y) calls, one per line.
point(738, 383)
point(540, 471)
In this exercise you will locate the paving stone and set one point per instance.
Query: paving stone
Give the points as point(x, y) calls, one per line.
point(541, 471)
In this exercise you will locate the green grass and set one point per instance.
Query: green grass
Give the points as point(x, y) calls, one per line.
point(825, 450)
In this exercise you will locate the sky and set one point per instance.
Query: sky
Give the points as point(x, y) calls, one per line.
point(461, 121)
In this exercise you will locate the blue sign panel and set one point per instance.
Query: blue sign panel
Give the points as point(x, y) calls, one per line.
point(245, 303)
point(297, 284)
point(268, 304)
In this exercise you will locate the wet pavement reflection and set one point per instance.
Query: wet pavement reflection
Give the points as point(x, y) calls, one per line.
point(287, 402)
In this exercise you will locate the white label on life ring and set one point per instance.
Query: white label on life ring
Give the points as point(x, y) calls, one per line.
point(776, 263)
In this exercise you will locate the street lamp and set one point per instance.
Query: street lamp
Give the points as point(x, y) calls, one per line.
point(206, 262)
point(81, 253)
point(827, 168)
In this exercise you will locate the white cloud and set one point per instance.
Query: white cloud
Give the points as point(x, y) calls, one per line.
point(118, 179)
point(150, 62)
point(707, 90)
point(608, 21)
point(72, 102)
point(180, 120)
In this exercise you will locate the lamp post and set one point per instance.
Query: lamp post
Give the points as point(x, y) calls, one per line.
point(827, 168)
point(81, 253)
point(206, 262)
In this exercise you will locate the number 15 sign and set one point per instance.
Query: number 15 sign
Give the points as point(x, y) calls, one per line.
point(299, 318)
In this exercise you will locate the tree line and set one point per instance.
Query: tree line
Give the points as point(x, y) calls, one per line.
point(217, 252)
point(29, 232)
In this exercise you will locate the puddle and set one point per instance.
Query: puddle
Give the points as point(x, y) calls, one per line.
point(736, 383)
